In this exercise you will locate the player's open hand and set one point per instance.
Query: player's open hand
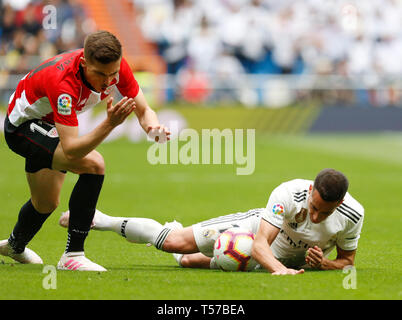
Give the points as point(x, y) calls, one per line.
point(120, 111)
point(286, 271)
point(314, 257)
point(159, 133)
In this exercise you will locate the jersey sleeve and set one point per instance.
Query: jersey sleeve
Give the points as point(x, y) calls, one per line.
point(63, 101)
point(349, 237)
point(278, 206)
point(127, 85)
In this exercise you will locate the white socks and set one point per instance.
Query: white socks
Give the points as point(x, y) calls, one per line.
point(137, 230)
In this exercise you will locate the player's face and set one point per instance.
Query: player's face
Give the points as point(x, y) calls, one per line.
point(100, 75)
point(319, 209)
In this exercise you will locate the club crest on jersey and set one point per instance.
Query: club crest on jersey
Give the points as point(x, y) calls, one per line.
point(278, 209)
point(64, 104)
point(301, 216)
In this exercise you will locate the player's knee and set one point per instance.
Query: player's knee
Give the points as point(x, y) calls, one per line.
point(45, 206)
point(175, 242)
point(185, 261)
point(180, 241)
point(93, 164)
point(98, 164)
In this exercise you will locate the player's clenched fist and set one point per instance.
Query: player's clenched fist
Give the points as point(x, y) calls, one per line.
point(120, 111)
point(314, 257)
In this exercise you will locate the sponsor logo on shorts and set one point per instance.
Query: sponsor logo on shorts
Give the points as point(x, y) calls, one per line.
point(278, 209)
point(64, 104)
point(52, 133)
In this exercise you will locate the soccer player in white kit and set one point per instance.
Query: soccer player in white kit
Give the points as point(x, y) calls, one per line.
point(303, 222)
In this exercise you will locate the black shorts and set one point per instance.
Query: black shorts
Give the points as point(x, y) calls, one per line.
point(34, 140)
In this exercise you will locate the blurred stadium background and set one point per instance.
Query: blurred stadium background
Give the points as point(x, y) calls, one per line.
point(301, 62)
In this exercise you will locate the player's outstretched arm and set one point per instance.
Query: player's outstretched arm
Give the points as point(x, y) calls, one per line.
point(262, 252)
point(149, 120)
point(315, 258)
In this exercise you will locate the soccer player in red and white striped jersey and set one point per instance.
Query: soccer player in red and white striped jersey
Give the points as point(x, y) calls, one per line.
point(42, 126)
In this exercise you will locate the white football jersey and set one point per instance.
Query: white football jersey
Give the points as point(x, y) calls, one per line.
point(287, 209)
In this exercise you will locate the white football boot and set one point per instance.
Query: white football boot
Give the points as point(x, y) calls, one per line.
point(77, 261)
point(27, 256)
point(103, 222)
point(65, 217)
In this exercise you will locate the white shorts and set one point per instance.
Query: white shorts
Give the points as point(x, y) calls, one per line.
point(206, 232)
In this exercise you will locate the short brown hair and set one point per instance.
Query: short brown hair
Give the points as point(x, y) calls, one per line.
point(332, 185)
point(103, 47)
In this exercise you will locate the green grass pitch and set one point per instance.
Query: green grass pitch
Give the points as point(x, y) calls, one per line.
point(191, 193)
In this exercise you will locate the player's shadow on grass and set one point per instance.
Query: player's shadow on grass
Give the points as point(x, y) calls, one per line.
point(156, 268)
point(173, 268)
point(11, 265)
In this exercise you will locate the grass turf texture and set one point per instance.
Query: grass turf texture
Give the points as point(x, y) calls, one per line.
point(193, 193)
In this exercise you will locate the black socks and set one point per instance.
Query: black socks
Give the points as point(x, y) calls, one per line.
point(82, 206)
point(29, 223)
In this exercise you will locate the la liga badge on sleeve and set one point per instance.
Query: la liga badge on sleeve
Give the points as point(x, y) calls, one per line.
point(278, 209)
point(64, 104)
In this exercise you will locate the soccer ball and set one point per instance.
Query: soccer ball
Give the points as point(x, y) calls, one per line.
point(232, 250)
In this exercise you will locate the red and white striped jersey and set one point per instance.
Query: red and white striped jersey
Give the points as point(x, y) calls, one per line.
point(56, 92)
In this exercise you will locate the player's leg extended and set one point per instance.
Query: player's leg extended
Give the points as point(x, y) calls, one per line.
point(179, 241)
point(170, 237)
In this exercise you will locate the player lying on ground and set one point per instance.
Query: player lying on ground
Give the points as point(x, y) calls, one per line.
point(302, 223)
